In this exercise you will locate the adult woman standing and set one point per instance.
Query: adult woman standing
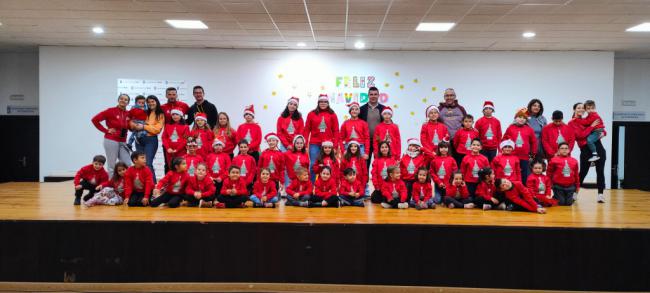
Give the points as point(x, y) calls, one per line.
point(153, 126)
point(537, 121)
point(117, 126)
point(581, 133)
point(290, 124)
point(321, 125)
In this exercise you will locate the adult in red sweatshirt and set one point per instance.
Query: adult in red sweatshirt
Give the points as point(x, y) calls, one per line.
point(355, 129)
point(289, 124)
point(565, 175)
point(117, 126)
point(138, 181)
point(555, 133)
point(251, 132)
point(582, 132)
point(321, 125)
point(489, 129)
point(173, 103)
point(89, 177)
point(525, 141)
point(433, 131)
point(518, 197)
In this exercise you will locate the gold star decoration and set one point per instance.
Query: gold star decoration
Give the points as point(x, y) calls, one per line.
point(396, 73)
point(395, 106)
point(401, 86)
point(345, 117)
point(433, 89)
point(412, 113)
point(386, 84)
point(424, 100)
point(273, 93)
point(415, 80)
point(266, 107)
point(280, 76)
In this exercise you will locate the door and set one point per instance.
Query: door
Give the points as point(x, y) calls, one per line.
point(20, 144)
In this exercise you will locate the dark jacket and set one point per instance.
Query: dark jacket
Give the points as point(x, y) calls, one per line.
point(208, 108)
point(363, 114)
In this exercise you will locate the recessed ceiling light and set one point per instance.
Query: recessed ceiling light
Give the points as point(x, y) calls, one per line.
point(434, 26)
point(359, 45)
point(0, 23)
point(98, 30)
point(186, 24)
point(301, 44)
point(529, 35)
point(644, 27)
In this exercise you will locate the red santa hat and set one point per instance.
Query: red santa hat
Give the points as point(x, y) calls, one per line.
point(507, 142)
point(523, 112)
point(177, 112)
point(250, 109)
point(191, 142)
point(328, 143)
point(353, 104)
point(488, 104)
point(200, 116)
point(387, 110)
point(297, 137)
point(431, 108)
point(218, 142)
point(414, 141)
point(295, 100)
point(271, 135)
point(323, 98)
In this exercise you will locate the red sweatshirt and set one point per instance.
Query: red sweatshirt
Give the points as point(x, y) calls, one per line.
point(174, 137)
point(137, 180)
point(470, 166)
point(489, 130)
point(192, 161)
point(485, 190)
point(335, 165)
point(252, 133)
point(274, 160)
point(524, 138)
point(553, 134)
point(390, 188)
point(355, 129)
point(137, 114)
point(459, 192)
point(540, 187)
point(173, 183)
point(421, 191)
point(218, 165)
point(92, 176)
point(321, 127)
point(433, 133)
point(355, 186)
point(287, 129)
point(591, 117)
point(248, 168)
point(359, 165)
point(463, 140)
point(581, 132)
point(380, 170)
point(204, 139)
point(442, 168)
point(230, 141)
point(239, 185)
point(521, 196)
point(115, 118)
point(205, 186)
point(300, 187)
point(564, 171)
point(293, 161)
point(507, 166)
point(325, 189)
point(169, 106)
point(409, 165)
point(391, 133)
point(267, 189)
point(116, 183)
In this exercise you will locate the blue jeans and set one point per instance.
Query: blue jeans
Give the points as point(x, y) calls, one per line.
point(593, 138)
point(149, 145)
point(297, 202)
point(257, 201)
point(525, 170)
point(314, 152)
point(430, 203)
point(347, 200)
point(437, 194)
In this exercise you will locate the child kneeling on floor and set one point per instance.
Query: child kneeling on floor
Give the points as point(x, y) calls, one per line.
point(110, 192)
point(234, 192)
point(265, 191)
point(394, 190)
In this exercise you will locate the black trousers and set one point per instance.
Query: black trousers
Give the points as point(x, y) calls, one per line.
point(85, 185)
point(585, 154)
point(376, 196)
point(479, 201)
point(458, 203)
point(256, 156)
point(193, 202)
point(409, 189)
point(232, 201)
point(369, 152)
point(393, 203)
point(136, 199)
point(316, 201)
point(172, 200)
point(489, 154)
point(471, 187)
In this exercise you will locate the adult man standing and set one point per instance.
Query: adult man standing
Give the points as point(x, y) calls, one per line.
point(371, 113)
point(202, 106)
point(451, 112)
point(172, 103)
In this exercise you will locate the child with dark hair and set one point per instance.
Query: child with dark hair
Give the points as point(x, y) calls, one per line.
point(380, 164)
point(192, 158)
point(540, 184)
point(563, 170)
point(506, 165)
point(174, 136)
point(246, 164)
point(354, 159)
point(138, 114)
point(300, 190)
point(264, 190)
point(273, 159)
point(597, 133)
point(325, 190)
point(463, 138)
point(416, 156)
point(351, 190)
point(421, 191)
point(200, 190)
point(234, 193)
point(110, 192)
point(251, 132)
point(486, 195)
point(327, 158)
point(171, 188)
point(138, 181)
point(89, 178)
point(489, 129)
point(218, 163)
point(442, 167)
point(457, 195)
point(394, 190)
point(471, 164)
point(525, 141)
point(518, 196)
point(203, 135)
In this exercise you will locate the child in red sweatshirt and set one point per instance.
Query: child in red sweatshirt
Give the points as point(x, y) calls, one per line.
point(322, 124)
point(325, 190)
point(224, 132)
point(251, 132)
point(174, 136)
point(380, 166)
point(555, 133)
point(463, 138)
point(489, 130)
point(234, 193)
point(388, 131)
point(200, 190)
point(518, 196)
point(540, 185)
point(192, 158)
point(296, 158)
point(394, 190)
point(471, 164)
point(327, 158)
point(354, 160)
point(597, 133)
point(421, 192)
point(265, 191)
point(111, 192)
point(415, 157)
point(202, 134)
point(563, 170)
point(218, 163)
point(89, 178)
point(273, 159)
point(290, 123)
point(441, 169)
point(355, 129)
point(351, 190)
point(246, 164)
point(300, 190)
point(138, 181)
point(457, 195)
point(506, 165)
point(525, 141)
point(433, 131)
point(486, 196)
point(170, 189)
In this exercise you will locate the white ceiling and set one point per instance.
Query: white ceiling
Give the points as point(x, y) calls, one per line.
point(330, 24)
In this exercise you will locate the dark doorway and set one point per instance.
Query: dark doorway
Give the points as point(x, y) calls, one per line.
point(20, 145)
point(636, 155)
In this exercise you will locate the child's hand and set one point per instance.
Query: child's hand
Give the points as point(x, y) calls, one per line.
point(423, 205)
point(99, 187)
point(197, 194)
point(264, 199)
point(296, 195)
point(494, 200)
point(365, 157)
point(77, 187)
point(541, 210)
point(171, 151)
point(156, 192)
point(145, 201)
point(111, 131)
point(218, 180)
point(462, 183)
point(442, 186)
point(549, 196)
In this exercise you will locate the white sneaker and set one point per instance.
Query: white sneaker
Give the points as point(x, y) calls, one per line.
point(594, 158)
point(502, 206)
point(385, 205)
point(402, 205)
point(469, 205)
point(601, 198)
point(486, 207)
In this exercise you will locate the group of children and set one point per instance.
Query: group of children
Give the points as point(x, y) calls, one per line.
point(479, 167)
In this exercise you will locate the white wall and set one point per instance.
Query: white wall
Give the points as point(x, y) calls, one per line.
point(19, 82)
point(76, 83)
point(632, 88)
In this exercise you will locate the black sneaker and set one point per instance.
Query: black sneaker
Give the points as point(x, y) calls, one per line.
point(77, 200)
point(510, 207)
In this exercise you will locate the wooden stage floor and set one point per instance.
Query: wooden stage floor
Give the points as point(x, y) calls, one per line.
point(53, 201)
